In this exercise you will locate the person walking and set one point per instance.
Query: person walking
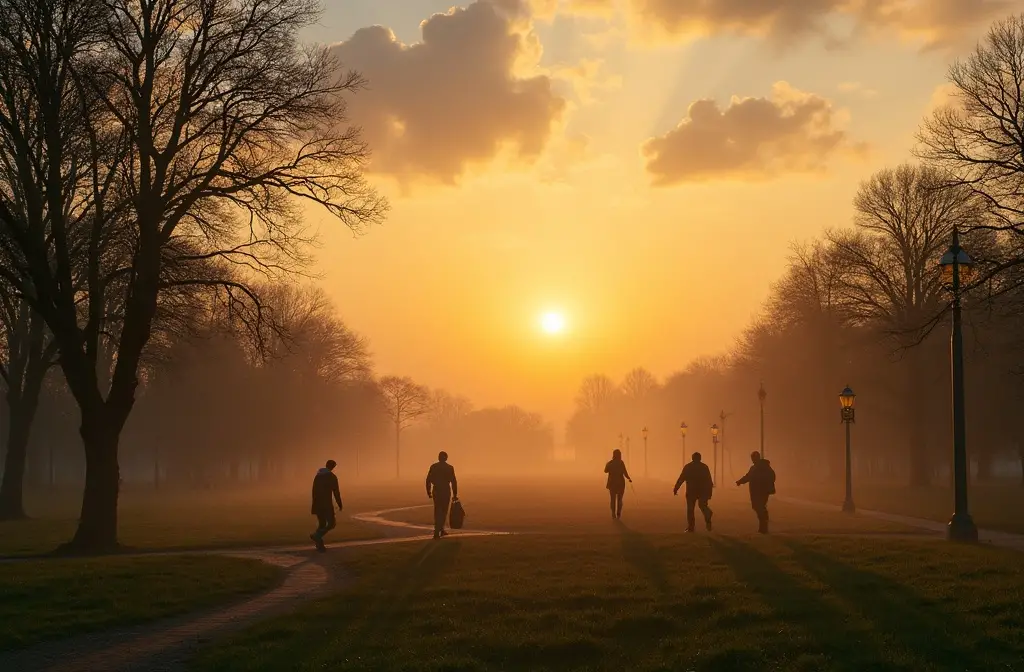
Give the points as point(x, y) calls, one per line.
point(325, 486)
point(699, 485)
point(441, 487)
point(761, 480)
point(617, 477)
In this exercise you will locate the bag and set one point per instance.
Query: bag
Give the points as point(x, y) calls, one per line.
point(771, 485)
point(456, 516)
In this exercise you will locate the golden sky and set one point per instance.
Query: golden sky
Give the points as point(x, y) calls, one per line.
point(641, 165)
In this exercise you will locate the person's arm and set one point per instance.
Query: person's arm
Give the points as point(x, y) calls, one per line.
point(337, 492)
point(455, 485)
point(679, 481)
point(606, 467)
point(625, 472)
point(429, 474)
point(746, 478)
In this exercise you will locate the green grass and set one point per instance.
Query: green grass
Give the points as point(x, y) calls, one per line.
point(190, 519)
point(993, 506)
point(54, 599)
point(633, 601)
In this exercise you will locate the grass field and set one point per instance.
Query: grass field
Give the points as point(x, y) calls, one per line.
point(634, 601)
point(54, 599)
point(195, 519)
point(993, 506)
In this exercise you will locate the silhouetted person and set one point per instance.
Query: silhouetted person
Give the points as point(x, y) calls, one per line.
point(761, 478)
point(441, 486)
point(697, 478)
point(617, 477)
point(325, 486)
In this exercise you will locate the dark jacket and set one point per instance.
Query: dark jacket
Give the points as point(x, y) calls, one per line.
point(441, 477)
point(761, 478)
point(617, 475)
point(325, 485)
point(697, 477)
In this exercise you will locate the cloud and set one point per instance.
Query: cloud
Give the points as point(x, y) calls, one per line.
point(463, 94)
point(934, 22)
point(752, 138)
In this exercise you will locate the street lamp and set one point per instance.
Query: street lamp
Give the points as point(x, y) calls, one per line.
point(644, 432)
point(762, 395)
point(682, 434)
point(714, 454)
point(956, 271)
point(846, 399)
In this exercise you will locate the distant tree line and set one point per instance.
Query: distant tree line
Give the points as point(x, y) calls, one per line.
point(864, 305)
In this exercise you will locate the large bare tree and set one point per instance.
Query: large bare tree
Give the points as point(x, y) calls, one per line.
point(903, 221)
point(142, 126)
point(406, 401)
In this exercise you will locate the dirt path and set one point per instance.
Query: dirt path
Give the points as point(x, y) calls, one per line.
point(994, 537)
point(166, 646)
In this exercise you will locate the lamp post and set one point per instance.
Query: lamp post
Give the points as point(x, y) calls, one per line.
point(714, 454)
point(846, 399)
point(627, 452)
point(682, 435)
point(762, 395)
point(644, 432)
point(956, 270)
point(156, 466)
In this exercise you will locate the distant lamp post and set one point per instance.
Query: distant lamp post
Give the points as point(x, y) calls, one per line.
point(846, 399)
point(627, 452)
point(762, 395)
point(682, 435)
point(644, 432)
point(957, 270)
point(714, 454)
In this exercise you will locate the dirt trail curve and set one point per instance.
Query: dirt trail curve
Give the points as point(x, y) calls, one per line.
point(166, 646)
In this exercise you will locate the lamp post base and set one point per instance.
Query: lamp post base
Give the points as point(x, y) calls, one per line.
point(961, 528)
point(848, 506)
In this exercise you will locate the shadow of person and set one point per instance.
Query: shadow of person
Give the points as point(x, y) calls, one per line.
point(638, 551)
point(799, 605)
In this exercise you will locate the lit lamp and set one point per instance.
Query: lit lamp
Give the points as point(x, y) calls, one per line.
point(714, 455)
point(644, 433)
point(956, 266)
point(682, 435)
point(846, 400)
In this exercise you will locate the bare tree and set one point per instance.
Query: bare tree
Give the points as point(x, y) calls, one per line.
point(28, 355)
point(406, 401)
point(447, 408)
point(150, 125)
point(639, 383)
point(978, 139)
point(595, 393)
point(891, 282)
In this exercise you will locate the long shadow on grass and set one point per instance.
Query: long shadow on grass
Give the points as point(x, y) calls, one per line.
point(429, 563)
point(799, 606)
point(642, 554)
point(926, 631)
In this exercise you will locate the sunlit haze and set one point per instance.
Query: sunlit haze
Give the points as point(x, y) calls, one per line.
point(525, 171)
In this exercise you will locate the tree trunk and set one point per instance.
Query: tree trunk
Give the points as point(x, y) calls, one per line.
point(398, 450)
point(12, 505)
point(97, 526)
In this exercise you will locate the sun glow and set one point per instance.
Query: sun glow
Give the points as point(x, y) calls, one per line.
point(552, 323)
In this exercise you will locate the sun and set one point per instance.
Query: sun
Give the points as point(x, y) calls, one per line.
point(552, 323)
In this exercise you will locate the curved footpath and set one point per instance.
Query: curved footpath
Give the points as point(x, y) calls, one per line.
point(166, 646)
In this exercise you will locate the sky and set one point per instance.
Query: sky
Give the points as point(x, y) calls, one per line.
point(641, 166)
